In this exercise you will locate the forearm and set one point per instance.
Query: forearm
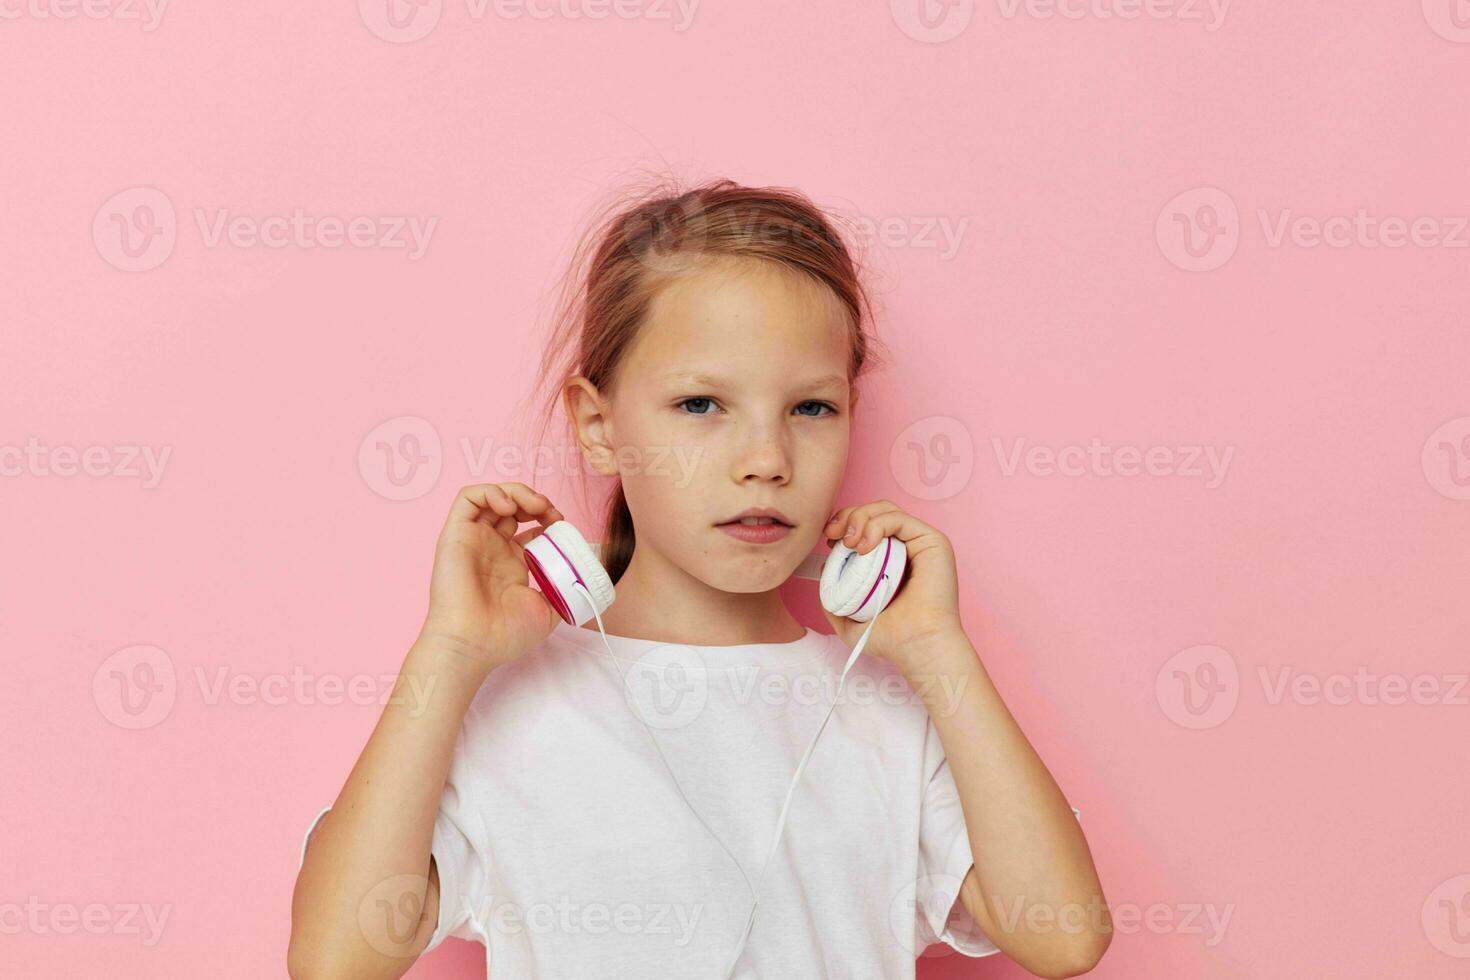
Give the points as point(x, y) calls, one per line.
point(374, 844)
point(1033, 889)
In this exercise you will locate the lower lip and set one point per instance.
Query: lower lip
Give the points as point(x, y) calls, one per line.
point(755, 533)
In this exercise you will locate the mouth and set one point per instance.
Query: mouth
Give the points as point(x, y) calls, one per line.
point(757, 525)
point(758, 517)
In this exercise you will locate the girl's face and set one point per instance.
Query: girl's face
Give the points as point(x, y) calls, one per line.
point(733, 395)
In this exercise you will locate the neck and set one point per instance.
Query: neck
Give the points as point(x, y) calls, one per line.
point(657, 600)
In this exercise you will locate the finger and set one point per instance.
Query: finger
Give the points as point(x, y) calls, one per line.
point(532, 502)
point(514, 501)
point(838, 524)
point(850, 519)
point(526, 503)
point(504, 526)
point(860, 533)
point(898, 524)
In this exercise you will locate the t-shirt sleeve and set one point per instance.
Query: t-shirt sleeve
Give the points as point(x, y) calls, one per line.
point(944, 859)
point(460, 857)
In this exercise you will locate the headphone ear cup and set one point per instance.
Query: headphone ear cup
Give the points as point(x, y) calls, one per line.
point(858, 586)
point(559, 558)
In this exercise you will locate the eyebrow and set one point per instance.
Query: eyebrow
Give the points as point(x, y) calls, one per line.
point(714, 381)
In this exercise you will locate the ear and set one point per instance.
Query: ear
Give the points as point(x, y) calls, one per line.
point(588, 413)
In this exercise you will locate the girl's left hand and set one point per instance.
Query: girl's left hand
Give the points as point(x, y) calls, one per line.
point(927, 603)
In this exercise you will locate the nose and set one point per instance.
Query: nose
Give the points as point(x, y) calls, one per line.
point(764, 456)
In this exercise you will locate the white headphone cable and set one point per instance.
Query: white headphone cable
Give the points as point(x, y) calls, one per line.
point(781, 823)
point(800, 768)
point(622, 674)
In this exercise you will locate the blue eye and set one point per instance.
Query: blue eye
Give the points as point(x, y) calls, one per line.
point(699, 399)
point(707, 402)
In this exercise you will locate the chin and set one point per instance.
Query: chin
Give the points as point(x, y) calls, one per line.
point(754, 574)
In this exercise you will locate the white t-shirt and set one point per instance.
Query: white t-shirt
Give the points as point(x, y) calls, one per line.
point(565, 847)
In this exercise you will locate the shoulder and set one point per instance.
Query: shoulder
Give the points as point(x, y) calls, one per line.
point(550, 678)
point(877, 689)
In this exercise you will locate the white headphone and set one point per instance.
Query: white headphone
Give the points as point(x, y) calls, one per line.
point(569, 573)
point(853, 585)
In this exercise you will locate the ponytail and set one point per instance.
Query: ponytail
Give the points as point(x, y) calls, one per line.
point(618, 550)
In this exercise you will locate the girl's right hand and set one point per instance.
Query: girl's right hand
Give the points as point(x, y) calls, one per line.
point(481, 606)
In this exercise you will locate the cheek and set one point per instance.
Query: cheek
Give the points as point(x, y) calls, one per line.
point(826, 452)
point(660, 465)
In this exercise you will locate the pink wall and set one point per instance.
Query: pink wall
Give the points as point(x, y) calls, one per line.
point(1032, 179)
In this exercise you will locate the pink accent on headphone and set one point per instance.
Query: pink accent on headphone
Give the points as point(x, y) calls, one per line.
point(552, 593)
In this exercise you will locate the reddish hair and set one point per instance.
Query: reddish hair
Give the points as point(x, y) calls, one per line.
point(640, 243)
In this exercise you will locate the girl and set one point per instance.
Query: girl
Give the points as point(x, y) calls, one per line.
point(716, 339)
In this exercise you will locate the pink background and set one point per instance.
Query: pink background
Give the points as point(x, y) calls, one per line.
point(1332, 834)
